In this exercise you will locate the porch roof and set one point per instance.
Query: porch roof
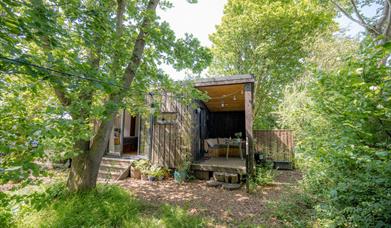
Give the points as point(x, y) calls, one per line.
point(228, 80)
point(226, 94)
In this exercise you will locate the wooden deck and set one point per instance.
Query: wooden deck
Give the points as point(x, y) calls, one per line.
point(221, 164)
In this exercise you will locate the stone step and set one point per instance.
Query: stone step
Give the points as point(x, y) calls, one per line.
point(116, 168)
point(116, 162)
point(109, 175)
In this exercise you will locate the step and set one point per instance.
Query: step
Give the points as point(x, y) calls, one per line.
point(109, 167)
point(113, 172)
point(116, 162)
point(108, 176)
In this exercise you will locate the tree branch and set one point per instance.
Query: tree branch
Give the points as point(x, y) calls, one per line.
point(365, 25)
point(357, 12)
point(102, 136)
point(139, 46)
point(387, 30)
point(381, 21)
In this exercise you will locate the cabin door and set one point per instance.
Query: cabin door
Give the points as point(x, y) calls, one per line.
point(124, 140)
point(131, 135)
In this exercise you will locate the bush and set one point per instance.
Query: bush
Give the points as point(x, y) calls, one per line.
point(295, 209)
point(341, 120)
point(264, 175)
point(5, 210)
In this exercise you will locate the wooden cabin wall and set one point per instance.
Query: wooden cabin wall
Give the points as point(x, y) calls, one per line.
point(173, 143)
point(226, 124)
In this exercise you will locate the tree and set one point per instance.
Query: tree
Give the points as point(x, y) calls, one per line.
point(95, 56)
point(267, 39)
point(378, 25)
point(340, 113)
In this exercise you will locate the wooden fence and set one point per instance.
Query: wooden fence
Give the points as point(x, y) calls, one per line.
point(275, 144)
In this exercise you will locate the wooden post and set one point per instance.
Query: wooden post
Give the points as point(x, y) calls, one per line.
point(248, 109)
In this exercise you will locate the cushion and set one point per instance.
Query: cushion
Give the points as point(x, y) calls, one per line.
point(211, 142)
point(222, 141)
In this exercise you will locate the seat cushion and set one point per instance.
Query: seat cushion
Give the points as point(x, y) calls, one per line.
point(212, 142)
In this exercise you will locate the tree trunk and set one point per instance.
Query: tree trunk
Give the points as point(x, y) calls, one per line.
point(85, 167)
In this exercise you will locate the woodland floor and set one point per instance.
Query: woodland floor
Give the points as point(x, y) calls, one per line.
point(220, 206)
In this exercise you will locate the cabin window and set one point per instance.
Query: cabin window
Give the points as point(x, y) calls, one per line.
point(166, 118)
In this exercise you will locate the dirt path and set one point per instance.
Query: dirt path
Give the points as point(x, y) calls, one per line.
point(222, 206)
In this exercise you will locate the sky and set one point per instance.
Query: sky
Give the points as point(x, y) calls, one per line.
point(201, 18)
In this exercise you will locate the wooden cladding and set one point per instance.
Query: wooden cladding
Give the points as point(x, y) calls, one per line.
point(172, 139)
point(275, 144)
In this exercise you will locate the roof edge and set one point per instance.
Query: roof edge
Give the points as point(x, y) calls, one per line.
point(227, 80)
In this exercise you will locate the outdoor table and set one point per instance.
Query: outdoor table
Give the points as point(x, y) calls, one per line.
point(234, 142)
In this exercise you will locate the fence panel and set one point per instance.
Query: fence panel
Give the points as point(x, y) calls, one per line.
point(275, 144)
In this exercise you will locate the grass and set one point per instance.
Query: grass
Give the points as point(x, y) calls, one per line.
point(106, 206)
point(294, 209)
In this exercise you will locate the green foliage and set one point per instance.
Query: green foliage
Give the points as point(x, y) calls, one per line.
point(106, 206)
point(268, 39)
point(264, 175)
point(156, 171)
point(6, 218)
point(342, 122)
point(142, 164)
point(294, 209)
point(29, 114)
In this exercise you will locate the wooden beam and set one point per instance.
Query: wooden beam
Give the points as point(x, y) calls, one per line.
point(229, 80)
point(248, 108)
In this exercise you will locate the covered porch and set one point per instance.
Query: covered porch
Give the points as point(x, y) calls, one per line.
point(225, 126)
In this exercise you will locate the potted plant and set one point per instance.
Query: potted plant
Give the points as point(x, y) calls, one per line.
point(182, 171)
point(139, 167)
point(156, 173)
point(238, 136)
point(166, 173)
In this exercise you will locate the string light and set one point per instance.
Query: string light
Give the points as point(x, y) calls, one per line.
point(227, 95)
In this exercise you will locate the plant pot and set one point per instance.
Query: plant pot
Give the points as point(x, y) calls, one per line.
point(135, 173)
point(180, 176)
point(151, 178)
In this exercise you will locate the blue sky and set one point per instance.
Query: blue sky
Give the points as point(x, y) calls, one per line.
point(200, 20)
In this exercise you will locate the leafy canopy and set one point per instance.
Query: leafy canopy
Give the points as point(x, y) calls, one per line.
point(267, 39)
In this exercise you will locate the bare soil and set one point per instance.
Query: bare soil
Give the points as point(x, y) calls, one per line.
point(219, 205)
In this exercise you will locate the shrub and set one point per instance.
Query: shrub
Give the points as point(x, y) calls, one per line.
point(142, 164)
point(264, 175)
point(294, 209)
point(5, 210)
point(341, 120)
